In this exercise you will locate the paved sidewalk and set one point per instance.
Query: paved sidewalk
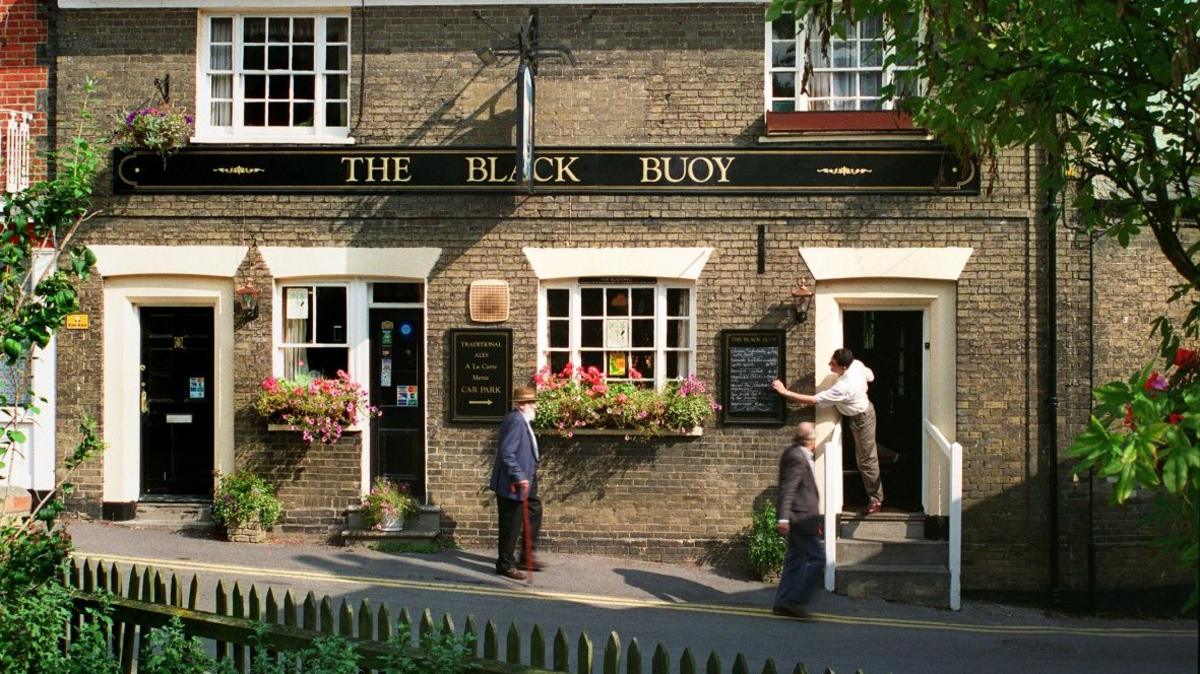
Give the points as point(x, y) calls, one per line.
point(586, 577)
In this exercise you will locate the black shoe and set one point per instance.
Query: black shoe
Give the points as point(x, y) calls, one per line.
point(512, 573)
point(791, 612)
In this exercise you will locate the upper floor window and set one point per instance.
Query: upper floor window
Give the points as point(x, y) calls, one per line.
point(274, 78)
point(849, 75)
point(634, 331)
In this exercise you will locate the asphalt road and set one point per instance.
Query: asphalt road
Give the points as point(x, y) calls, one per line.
point(679, 607)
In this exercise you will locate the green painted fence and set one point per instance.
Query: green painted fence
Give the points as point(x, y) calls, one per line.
point(145, 598)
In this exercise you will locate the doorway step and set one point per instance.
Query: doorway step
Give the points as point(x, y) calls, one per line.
point(419, 530)
point(172, 515)
point(886, 556)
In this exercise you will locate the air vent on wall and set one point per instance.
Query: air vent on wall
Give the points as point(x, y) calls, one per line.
point(488, 300)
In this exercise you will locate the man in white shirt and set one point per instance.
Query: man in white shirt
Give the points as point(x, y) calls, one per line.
point(849, 396)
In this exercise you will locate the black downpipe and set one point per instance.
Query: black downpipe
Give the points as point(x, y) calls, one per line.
point(1050, 212)
point(1091, 532)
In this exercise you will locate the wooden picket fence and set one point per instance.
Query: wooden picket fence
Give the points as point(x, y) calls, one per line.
point(146, 598)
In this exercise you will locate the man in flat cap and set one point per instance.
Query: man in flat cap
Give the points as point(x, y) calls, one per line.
point(514, 479)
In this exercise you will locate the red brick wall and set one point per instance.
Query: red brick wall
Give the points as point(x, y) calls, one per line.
point(24, 75)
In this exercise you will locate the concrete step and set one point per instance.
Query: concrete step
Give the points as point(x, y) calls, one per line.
point(892, 552)
point(913, 584)
point(882, 526)
point(424, 527)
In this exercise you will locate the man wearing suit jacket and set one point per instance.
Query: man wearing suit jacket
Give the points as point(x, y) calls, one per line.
point(797, 505)
point(514, 479)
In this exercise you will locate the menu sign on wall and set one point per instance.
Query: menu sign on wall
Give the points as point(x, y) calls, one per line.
point(751, 360)
point(480, 374)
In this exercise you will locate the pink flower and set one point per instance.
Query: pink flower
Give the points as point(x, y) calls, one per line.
point(1155, 382)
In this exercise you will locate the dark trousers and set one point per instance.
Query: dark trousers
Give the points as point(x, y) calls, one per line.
point(511, 524)
point(803, 569)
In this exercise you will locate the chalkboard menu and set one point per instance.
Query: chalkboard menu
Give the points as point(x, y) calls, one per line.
point(751, 360)
point(480, 374)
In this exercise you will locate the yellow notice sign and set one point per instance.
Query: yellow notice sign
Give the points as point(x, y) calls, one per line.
point(77, 321)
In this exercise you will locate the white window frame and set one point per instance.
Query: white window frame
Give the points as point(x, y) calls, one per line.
point(206, 132)
point(281, 346)
point(661, 350)
point(801, 99)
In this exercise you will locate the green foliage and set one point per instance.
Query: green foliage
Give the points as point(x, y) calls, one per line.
point(318, 408)
point(242, 498)
point(574, 399)
point(766, 546)
point(387, 500)
point(439, 652)
point(405, 547)
point(171, 651)
point(1107, 88)
point(160, 128)
point(1143, 435)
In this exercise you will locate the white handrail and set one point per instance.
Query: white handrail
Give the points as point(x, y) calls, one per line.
point(833, 502)
point(953, 452)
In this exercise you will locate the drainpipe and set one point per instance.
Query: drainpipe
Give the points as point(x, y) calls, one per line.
point(1091, 539)
point(1050, 214)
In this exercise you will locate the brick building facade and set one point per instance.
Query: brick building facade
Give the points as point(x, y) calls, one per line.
point(969, 270)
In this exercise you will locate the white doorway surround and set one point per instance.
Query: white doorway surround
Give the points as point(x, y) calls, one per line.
point(139, 276)
point(912, 279)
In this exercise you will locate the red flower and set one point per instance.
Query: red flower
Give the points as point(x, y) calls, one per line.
point(1129, 421)
point(1175, 418)
point(634, 374)
point(1155, 382)
point(1186, 359)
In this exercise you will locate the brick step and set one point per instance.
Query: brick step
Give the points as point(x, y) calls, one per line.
point(913, 584)
point(905, 552)
point(882, 526)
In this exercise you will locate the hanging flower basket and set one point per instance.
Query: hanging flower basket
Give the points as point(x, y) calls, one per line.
point(162, 129)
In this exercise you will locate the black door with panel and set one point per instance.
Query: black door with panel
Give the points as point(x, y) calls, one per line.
point(889, 342)
point(398, 390)
point(177, 400)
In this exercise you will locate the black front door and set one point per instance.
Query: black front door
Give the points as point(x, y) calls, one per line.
point(889, 342)
point(177, 400)
point(397, 389)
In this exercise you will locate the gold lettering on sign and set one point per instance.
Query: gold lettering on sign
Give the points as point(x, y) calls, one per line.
point(674, 170)
point(378, 169)
point(844, 171)
point(238, 170)
point(549, 169)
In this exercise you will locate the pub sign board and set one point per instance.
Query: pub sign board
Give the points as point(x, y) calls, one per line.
point(751, 360)
point(913, 168)
point(480, 374)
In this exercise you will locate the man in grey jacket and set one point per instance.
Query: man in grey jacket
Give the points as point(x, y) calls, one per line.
point(798, 508)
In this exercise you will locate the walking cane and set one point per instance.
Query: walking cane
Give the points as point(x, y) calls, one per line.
point(528, 539)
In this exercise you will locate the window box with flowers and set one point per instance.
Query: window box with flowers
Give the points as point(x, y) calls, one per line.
point(579, 401)
point(321, 409)
point(162, 129)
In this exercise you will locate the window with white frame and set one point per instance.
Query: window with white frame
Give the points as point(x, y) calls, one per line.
point(314, 339)
point(636, 330)
point(271, 77)
point(849, 75)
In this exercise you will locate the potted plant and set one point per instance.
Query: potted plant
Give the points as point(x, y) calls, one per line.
point(246, 505)
point(388, 504)
point(321, 409)
point(161, 128)
point(766, 547)
point(578, 399)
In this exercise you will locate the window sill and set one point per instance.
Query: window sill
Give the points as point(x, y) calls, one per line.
point(288, 428)
point(270, 140)
point(695, 432)
point(881, 121)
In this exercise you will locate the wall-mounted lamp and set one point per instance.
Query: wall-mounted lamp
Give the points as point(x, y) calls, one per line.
point(246, 298)
point(802, 299)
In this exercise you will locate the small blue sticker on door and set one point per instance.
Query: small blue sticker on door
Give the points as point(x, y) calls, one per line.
point(196, 387)
point(406, 329)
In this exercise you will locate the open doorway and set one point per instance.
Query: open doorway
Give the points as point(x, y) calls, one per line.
point(891, 344)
